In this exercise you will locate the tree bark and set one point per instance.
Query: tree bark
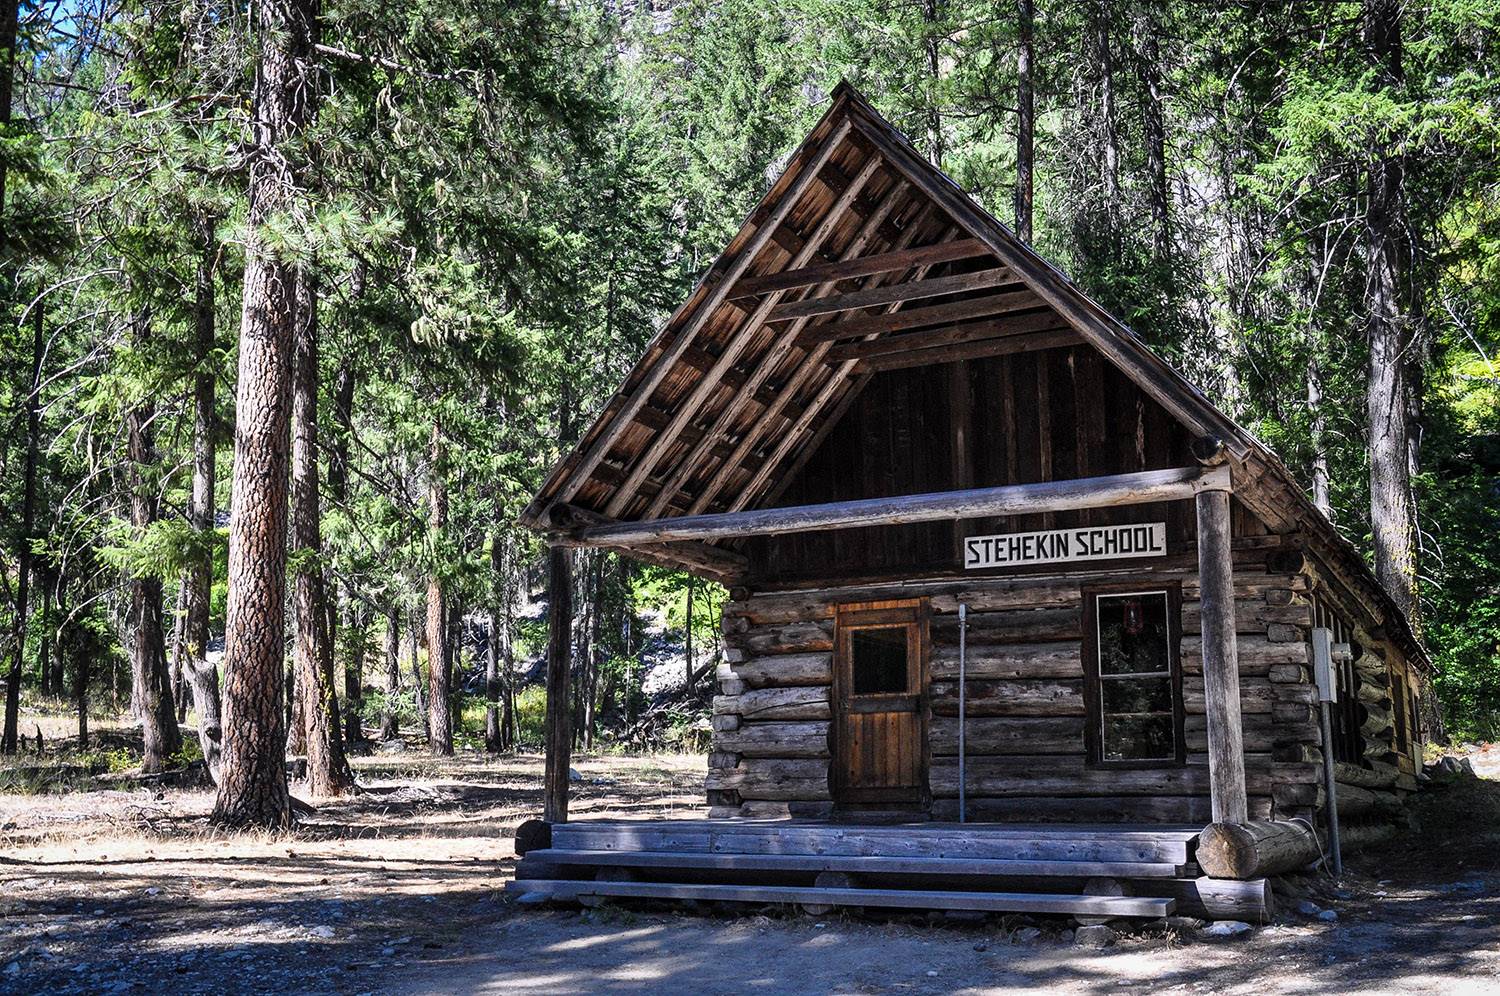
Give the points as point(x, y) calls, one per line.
point(1109, 133)
point(1153, 128)
point(1392, 515)
point(9, 739)
point(390, 720)
point(151, 686)
point(1025, 120)
point(439, 666)
point(338, 494)
point(494, 733)
point(252, 789)
point(328, 771)
point(932, 14)
point(417, 627)
point(1321, 490)
point(197, 582)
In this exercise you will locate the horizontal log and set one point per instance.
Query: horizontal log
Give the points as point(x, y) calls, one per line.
point(783, 670)
point(1009, 735)
point(1376, 776)
point(1013, 697)
point(1017, 660)
point(1252, 650)
point(788, 638)
point(996, 328)
point(776, 703)
point(1252, 616)
point(1357, 801)
point(1009, 345)
point(860, 266)
point(1104, 809)
point(1215, 898)
point(1256, 849)
point(1017, 626)
point(1051, 496)
point(794, 740)
point(1291, 674)
point(1008, 776)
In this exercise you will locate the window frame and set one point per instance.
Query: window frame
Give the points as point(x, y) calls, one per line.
point(1093, 685)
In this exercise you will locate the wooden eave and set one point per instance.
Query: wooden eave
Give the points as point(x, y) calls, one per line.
point(861, 257)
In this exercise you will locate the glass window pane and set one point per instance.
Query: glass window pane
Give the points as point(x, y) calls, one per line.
point(1135, 738)
point(1137, 695)
point(878, 659)
point(1133, 633)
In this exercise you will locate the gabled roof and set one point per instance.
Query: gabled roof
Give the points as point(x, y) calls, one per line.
point(862, 256)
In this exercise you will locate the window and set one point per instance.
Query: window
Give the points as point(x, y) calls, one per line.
point(1344, 714)
point(878, 660)
point(1134, 685)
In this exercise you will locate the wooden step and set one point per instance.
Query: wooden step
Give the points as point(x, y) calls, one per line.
point(869, 864)
point(997, 902)
point(981, 841)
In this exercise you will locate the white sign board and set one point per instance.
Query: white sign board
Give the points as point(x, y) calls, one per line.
point(1055, 546)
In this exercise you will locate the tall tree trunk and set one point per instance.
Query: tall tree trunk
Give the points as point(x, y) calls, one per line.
point(1321, 493)
point(328, 771)
point(417, 626)
point(1025, 120)
point(8, 740)
point(338, 494)
point(390, 720)
point(1392, 516)
point(1154, 128)
point(1108, 132)
point(439, 665)
point(494, 736)
point(197, 582)
point(44, 652)
point(252, 786)
point(932, 14)
point(150, 683)
point(559, 717)
point(59, 655)
point(689, 647)
point(509, 720)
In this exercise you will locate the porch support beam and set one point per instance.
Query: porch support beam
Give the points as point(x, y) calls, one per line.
point(1015, 499)
point(559, 666)
point(1221, 669)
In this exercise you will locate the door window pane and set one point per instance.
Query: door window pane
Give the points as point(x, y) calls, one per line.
point(1133, 634)
point(878, 660)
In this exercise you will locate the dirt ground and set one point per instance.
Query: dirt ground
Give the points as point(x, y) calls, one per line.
point(398, 890)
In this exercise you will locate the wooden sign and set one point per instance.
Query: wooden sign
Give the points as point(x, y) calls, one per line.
point(1055, 546)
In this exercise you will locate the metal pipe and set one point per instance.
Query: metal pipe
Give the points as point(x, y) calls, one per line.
point(963, 626)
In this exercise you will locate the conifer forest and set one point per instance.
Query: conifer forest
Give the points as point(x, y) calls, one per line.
point(302, 300)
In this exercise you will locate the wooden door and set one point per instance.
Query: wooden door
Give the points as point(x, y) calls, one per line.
point(880, 704)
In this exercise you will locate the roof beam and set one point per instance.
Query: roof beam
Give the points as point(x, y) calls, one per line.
point(1040, 321)
point(863, 266)
point(956, 283)
point(1006, 345)
point(691, 404)
point(1011, 499)
point(722, 565)
point(776, 353)
point(683, 337)
point(956, 311)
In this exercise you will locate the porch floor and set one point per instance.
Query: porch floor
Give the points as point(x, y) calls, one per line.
point(1085, 869)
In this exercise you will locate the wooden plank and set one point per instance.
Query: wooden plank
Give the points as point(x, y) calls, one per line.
point(1111, 906)
point(1032, 342)
point(956, 311)
point(868, 864)
point(690, 406)
point(786, 669)
point(1119, 489)
point(1042, 321)
point(900, 259)
point(912, 290)
point(806, 739)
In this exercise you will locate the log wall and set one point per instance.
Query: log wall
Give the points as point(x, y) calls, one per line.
point(1026, 756)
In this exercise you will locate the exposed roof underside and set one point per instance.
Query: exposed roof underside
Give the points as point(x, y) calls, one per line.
point(862, 257)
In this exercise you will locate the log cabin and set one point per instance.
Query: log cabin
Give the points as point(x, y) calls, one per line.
point(999, 574)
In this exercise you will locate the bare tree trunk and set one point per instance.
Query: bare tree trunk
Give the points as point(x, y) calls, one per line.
point(559, 716)
point(9, 740)
point(197, 583)
point(1155, 132)
point(252, 786)
point(152, 690)
point(44, 652)
point(417, 626)
point(1109, 133)
point(494, 737)
point(439, 666)
point(1025, 121)
point(390, 720)
point(509, 721)
point(689, 647)
point(338, 495)
point(1392, 515)
point(932, 14)
point(328, 771)
point(1321, 493)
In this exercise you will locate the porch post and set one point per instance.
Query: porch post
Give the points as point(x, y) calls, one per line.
point(1221, 667)
point(559, 665)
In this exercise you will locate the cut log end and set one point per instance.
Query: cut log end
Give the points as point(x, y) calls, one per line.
point(533, 835)
point(1256, 849)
